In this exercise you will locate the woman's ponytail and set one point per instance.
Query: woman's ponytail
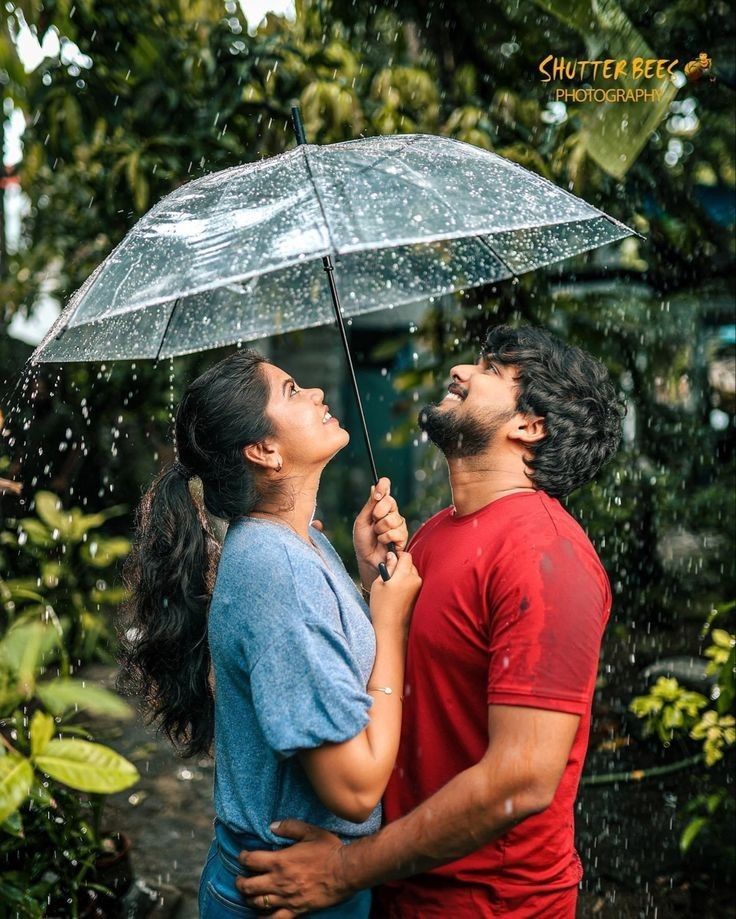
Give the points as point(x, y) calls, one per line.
point(171, 571)
point(165, 648)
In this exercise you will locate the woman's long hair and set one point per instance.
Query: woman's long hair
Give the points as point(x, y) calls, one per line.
point(170, 573)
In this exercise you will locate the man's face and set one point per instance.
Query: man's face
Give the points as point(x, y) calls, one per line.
point(480, 400)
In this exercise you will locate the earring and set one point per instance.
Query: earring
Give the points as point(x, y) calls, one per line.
point(278, 468)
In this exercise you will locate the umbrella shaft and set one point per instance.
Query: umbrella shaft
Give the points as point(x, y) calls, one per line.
point(330, 270)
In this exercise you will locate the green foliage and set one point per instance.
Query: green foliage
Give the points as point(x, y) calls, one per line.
point(719, 651)
point(62, 561)
point(709, 813)
point(53, 617)
point(669, 710)
point(49, 835)
point(716, 731)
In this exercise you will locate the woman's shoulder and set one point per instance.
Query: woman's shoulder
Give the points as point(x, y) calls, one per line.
point(322, 542)
point(257, 548)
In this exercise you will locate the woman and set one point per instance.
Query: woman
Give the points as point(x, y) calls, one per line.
point(306, 709)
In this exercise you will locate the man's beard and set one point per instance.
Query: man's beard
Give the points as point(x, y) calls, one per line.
point(460, 434)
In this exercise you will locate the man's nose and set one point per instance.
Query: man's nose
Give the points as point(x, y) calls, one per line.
point(461, 373)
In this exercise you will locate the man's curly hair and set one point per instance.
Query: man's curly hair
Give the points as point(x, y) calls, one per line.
point(573, 392)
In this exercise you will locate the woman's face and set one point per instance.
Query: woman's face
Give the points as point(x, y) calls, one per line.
point(305, 433)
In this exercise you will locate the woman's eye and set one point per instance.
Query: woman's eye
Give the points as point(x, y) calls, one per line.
point(294, 390)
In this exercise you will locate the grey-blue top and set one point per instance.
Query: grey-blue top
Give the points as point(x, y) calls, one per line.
point(292, 647)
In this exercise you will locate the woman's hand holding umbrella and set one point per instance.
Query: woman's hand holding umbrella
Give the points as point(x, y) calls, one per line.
point(378, 524)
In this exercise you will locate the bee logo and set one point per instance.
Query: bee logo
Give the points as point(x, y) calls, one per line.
point(699, 68)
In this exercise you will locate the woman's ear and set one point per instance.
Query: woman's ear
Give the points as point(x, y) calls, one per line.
point(264, 454)
point(529, 429)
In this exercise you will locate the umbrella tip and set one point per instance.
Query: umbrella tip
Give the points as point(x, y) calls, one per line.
point(296, 118)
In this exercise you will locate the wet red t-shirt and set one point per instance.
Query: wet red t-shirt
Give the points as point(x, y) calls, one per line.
point(512, 610)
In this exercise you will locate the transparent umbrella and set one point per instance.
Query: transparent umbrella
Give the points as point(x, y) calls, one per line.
point(242, 253)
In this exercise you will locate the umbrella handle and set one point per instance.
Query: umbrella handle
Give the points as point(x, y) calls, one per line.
point(296, 118)
point(330, 270)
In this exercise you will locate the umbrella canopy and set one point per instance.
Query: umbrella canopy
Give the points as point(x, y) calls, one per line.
point(238, 255)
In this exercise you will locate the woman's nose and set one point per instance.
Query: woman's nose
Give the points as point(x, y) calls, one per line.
point(318, 395)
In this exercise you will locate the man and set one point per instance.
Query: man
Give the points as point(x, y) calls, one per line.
point(501, 664)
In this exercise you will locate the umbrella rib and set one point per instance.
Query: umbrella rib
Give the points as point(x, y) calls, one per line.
point(319, 199)
point(372, 165)
point(387, 156)
point(495, 254)
point(569, 194)
point(483, 239)
point(168, 323)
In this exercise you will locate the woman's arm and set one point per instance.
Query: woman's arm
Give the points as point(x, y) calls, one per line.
point(350, 777)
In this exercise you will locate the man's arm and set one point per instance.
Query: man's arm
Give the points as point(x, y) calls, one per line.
point(517, 777)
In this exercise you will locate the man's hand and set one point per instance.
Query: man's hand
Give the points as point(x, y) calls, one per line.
point(378, 524)
point(302, 878)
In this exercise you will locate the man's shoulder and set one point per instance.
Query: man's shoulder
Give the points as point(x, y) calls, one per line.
point(546, 534)
point(538, 518)
point(426, 529)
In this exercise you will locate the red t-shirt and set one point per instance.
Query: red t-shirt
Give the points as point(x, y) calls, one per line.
point(512, 610)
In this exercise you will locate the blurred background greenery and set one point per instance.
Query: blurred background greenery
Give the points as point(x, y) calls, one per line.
point(108, 106)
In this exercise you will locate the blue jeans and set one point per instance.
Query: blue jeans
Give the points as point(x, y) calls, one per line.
point(219, 898)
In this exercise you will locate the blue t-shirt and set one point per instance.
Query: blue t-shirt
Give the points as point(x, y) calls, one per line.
point(292, 647)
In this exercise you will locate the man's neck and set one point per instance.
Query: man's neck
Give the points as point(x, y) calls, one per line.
point(479, 480)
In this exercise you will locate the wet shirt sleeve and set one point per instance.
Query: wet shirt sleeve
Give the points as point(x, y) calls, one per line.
point(547, 610)
point(306, 684)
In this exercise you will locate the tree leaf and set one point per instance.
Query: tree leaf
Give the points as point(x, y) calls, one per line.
point(691, 831)
point(62, 694)
point(42, 730)
point(722, 638)
point(13, 826)
point(16, 778)
point(101, 552)
point(727, 684)
point(49, 509)
point(83, 523)
point(25, 647)
point(87, 766)
point(37, 532)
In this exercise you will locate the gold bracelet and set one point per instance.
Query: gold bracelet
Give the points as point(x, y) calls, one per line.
point(386, 690)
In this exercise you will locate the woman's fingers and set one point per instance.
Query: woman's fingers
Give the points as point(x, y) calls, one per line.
point(377, 495)
point(397, 537)
point(404, 565)
point(385, 506)
point(381, 488)
point(392, 521)
point(385, 501)
point(391, 562)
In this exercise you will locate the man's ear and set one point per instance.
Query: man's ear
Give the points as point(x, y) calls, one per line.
point(264, 454)
point(528, 429)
